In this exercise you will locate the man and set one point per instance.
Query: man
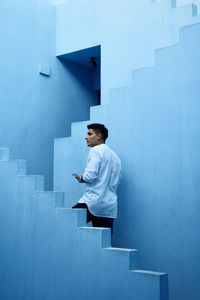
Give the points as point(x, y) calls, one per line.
point(101, 178)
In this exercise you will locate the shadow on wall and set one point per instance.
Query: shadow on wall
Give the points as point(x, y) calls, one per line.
point(85, 66)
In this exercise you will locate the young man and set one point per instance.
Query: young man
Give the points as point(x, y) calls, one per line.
point(101, 178)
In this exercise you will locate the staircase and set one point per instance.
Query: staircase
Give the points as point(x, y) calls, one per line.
point(48, 251)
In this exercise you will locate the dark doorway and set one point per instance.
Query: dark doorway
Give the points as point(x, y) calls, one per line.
point(85, 64)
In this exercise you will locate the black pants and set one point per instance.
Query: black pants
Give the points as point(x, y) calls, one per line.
point(96, 221)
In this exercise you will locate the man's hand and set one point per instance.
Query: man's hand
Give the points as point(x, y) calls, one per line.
point(79, 177)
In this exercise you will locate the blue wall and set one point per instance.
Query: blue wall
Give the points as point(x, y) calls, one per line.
point(128, 33)
point(35, 108)
point(153, 123)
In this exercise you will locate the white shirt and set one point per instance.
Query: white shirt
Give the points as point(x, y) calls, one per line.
point(102, 176)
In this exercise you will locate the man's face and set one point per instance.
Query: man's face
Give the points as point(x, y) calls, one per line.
point(92, 138)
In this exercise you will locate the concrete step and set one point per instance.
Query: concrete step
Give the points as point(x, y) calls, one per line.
point(144, 285)
point(183, 15)
point(32, 182)
point(75, 217)
point(49, 199)
point(155, 280)
point(18, 165)
point(95, 236)
point(4, 154)
point(128, 258)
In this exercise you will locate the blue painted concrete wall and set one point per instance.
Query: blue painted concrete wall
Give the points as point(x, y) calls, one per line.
point(153, 121)
point(128, 33)
point(35, 108)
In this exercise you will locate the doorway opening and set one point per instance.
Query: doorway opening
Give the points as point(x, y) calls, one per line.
point(85, 65)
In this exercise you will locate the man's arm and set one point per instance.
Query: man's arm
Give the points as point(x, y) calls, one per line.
point(93, 164)
point(92, 169)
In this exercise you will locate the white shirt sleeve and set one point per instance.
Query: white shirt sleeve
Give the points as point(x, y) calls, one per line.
point(92, 168)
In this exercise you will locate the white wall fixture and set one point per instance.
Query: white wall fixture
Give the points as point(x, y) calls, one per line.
point(44, 69)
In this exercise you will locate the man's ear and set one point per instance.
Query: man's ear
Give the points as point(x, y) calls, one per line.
point(99, 136)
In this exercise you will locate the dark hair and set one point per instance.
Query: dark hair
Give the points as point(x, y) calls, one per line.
point(99, 128)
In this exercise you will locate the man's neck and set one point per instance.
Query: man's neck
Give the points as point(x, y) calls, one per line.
point(99, 143)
